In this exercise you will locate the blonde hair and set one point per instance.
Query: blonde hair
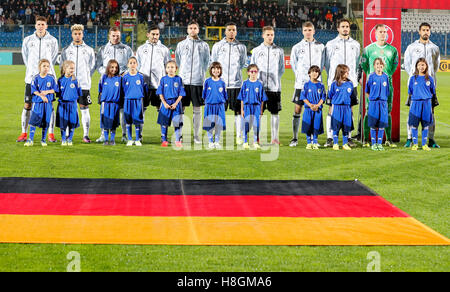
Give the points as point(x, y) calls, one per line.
point(64, 67)
point(77, 27)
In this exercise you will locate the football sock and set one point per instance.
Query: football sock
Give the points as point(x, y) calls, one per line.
point(129, 134)
point(138, 132)
point(44, 134)
point(373, 135)
point(123, 123)
point(106, 135)
point(113, 135)
point(85, 121)
point(26, 115)
point(380, 136)
point(218, 131)
point(177, 133)
point(415, 135)
point(275, 126)
point(63, 135)
point(424, 136)
point(432, 129)
point(345, 136)
point(164, 133)
point(238, 119)
point(308, 139)
point(335, 137)
point(51, 126)
point(408, 129)
point(295, 125)
point(210, 136)
point(315, 139)
point(330, 132)
point(197, 121)
point(71, 132)
point(32, 132)
point(388, 129)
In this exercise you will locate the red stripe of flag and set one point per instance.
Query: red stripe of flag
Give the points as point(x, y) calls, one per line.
point(197, 205)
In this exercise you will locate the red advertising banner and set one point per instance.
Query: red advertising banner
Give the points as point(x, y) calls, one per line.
point(388, 12)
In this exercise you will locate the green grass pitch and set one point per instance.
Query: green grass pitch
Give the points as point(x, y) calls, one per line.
point(416, 182)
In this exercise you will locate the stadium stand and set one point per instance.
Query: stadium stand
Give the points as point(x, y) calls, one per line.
point(440, 29)
point(96, 16)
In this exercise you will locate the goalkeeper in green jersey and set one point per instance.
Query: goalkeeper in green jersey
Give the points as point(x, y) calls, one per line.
point(380, 49)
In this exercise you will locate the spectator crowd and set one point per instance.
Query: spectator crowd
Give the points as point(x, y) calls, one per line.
point(246, 13)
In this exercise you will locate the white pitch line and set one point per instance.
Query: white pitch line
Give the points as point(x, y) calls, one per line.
point(384, 18)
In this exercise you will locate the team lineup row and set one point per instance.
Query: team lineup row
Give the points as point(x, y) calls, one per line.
point(193, 58)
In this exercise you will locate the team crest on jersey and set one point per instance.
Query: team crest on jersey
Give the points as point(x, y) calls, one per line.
point(349, 90)
point(256, 89)
point(116, 84)
point(138, 82)
point(302, 51)
point(428, 83)
point(127, 83)
point(49, 84)
point(384, 83)
point(175, 84)
point(145, 51)
point(261, 54)
point(246, 89)
point(374, 83)
point(309, 90)
point(72, 85)
point(415, 83)
point(418, 51)
point(319, 91)
point(209, 88)
point(220, 89)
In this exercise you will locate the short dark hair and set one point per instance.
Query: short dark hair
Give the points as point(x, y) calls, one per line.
point(41, 18)
point(114, 28)
point(343, 20)
point(230, 23)
point(424, 24)
point(193, 22)
point(215, 65)
point(252, 66)
point(153, 27)
point(314, 68)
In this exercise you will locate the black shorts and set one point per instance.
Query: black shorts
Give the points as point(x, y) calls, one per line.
point(153, 99)
point(85, 98)
point(194, 94)
point(354, 97)
point(28, 96)
point(232, 102)
point(273, 104)
point(296, 98)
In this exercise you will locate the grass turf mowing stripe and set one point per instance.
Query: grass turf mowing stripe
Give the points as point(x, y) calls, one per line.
point(184, 187)
point(199, 206)
point(216, 230)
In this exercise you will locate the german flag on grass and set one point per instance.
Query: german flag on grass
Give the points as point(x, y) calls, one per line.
point(203, 212)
